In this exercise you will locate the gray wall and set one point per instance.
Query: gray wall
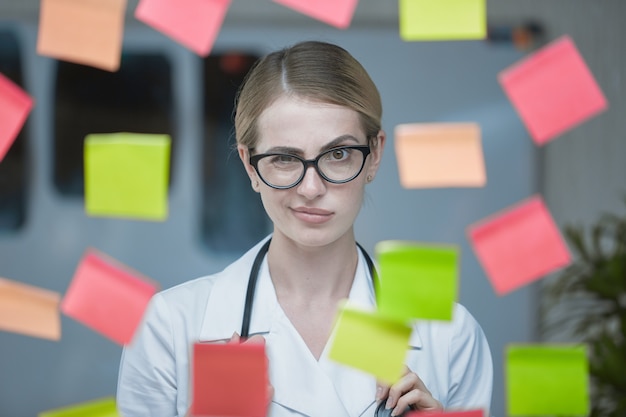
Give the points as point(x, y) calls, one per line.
point(580, 174)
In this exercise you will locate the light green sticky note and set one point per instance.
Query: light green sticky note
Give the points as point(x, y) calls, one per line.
point(547, 380)
point(370, 342)
point(416, 281)
point(442, 20)
point(126, 175)
point(104, 407)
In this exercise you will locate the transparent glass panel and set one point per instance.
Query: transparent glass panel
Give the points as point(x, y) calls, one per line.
point(137, 98)
point(233, 218)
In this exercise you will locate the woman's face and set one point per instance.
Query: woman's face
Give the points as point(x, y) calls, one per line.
point(314, 212)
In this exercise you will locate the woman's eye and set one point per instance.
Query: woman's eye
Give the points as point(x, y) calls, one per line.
point(338, 154)
point(283, 159)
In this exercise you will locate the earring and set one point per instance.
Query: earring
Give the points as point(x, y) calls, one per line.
point(369, 178)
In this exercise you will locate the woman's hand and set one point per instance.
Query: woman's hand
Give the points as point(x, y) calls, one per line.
point(257, 338)
point(408, 391)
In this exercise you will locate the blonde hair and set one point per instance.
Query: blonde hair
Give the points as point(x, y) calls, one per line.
point(314, 70)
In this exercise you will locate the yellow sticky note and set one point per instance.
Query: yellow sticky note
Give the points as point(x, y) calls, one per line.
point(432, 155)
point(104, 407)
point(432, 20)
point(126, 175)
point(87, 32)
point(417, 281)
point(29, 310)
point(370, 342)
point(547, 380)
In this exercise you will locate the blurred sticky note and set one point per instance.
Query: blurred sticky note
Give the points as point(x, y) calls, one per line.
point(432, 20)
point(464, 413)
point(417, 281)
point(371, 342)
point(440, 155)
point(104, 407)
point(87, 32)
point(553, 90)
point(519, 245)
point(194, 24)
point(107, 296)
point(336, 13)
point(29, 310)
point(547, 380)
point(230, 380)
point(126, 175)
point(15, 105)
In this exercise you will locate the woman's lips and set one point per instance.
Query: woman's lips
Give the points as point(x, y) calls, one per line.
point(312, 215)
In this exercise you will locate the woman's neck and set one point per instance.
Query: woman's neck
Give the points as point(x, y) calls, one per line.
point(313, 272)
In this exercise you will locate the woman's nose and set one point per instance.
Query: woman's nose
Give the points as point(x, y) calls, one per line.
point(312, 184)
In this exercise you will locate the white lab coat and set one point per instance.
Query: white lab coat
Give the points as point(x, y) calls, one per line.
point(453, 359)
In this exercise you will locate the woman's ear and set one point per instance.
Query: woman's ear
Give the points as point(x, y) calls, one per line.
point(244, 155)
point(377, 146)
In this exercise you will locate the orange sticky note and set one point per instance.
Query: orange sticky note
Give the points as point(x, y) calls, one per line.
point(519, 245)
point(29, 310)
point(193, 23)
point(440, 155)
point(553, 90)
point(230, 380)
point(15, 105)
point(336, 13)
point(107, 296)
point(87, 32)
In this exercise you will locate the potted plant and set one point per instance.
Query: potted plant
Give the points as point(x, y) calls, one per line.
point(587, 302)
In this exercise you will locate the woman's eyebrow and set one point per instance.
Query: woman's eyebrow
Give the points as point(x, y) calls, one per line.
point(339, 141)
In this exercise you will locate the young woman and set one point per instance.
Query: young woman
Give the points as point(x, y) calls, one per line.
point(308, 129)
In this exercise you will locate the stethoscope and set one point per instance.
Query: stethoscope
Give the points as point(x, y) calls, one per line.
point(381, 411)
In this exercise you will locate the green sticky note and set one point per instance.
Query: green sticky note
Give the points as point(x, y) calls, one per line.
point(370, 342)
point(104, 407)
point(416, 281)
point(433, 20)
point(126, 175)
point(547, 380)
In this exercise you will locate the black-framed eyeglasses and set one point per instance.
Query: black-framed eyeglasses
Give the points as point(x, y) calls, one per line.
point(337, 165)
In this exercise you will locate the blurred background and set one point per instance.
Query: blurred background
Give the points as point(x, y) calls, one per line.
point(161, 87)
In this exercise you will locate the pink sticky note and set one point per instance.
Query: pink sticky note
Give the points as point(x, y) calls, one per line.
point(15, 105)
point(465, 413)
point(107, 296)
point(336, 13)
point(519, 245)
point(193, 23)
point(85, 32)
point(553, 90)
point(230, 380)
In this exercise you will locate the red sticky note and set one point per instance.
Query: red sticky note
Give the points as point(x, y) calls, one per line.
point(230, 380)
point(519, 245)
point(15, 105)
point(193, 23)
point(107, 296)
point(336, 13)
point(466, 413)
point(553, 90)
